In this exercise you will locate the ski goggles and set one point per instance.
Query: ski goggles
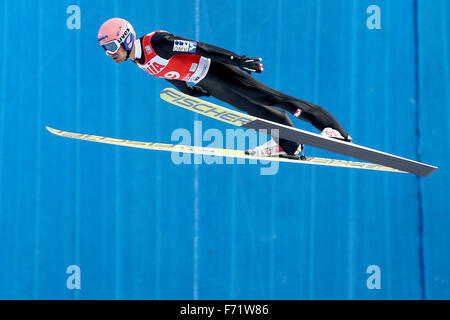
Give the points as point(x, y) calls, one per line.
point(126, 38)
point(111, 47)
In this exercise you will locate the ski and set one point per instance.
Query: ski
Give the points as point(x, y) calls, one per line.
point(293, 134)
point(218, 152)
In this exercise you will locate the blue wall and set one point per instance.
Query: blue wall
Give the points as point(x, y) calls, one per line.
point(140, 226)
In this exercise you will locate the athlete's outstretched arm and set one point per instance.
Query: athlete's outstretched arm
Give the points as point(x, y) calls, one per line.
point(166, 45)
point(194, 91)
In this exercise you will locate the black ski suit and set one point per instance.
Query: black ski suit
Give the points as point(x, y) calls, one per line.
point(226, 82)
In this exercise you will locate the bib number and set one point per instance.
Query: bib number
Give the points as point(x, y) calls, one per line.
point(172, 75)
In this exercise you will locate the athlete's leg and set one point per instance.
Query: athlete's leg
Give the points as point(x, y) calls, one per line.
point(220, 83)
point(260, 94)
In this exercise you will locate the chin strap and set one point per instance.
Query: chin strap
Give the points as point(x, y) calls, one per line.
point(128, 54)
point(128, 51)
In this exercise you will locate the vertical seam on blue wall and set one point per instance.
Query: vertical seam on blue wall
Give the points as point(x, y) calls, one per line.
point(196, 175)
point(353, 86)
point(387, 177)
point(418, 145)
point(273, 197)
point(116, 176)
point(316, 85)
point(156, 14)
point(77, 153)
point(445, 52)
point(37, 194)
point(2, 123)
point(234, 168)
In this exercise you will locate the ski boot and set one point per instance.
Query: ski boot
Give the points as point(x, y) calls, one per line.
point(272, 149)
point(332, 133)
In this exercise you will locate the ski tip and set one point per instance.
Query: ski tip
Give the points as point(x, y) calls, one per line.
point(51, 130)
point(433, 169)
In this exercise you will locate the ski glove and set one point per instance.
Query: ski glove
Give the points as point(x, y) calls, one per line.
point(251, 64)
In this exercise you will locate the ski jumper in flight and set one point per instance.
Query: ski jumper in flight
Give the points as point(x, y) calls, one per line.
point(214, 71)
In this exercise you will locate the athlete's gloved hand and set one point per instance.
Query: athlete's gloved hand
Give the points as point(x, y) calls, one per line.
point(251, 64)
